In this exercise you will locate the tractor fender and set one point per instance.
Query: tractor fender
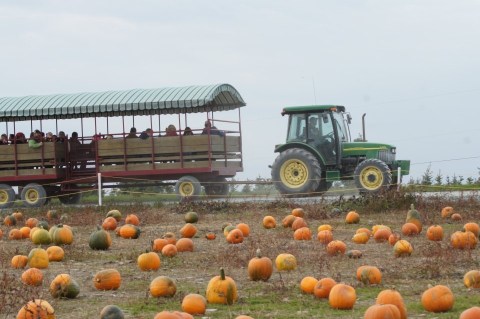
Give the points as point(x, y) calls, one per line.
point(307, 147)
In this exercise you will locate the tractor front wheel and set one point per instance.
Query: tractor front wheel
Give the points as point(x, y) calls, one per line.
point(296, 172)
point(372, 176)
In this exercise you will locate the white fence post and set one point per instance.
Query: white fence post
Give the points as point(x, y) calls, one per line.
point(99, 175)
point(399, 178)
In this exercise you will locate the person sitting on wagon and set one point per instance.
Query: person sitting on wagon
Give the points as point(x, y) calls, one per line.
point(35, 140)
point(20, 138)
point(4, 139)
point(49, 137)
point(171, 130)
point(187, 131)
point(61, 137)
point(133, 133)
point(212, 130)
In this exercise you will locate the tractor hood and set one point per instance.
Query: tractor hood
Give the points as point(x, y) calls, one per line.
point(367, 149)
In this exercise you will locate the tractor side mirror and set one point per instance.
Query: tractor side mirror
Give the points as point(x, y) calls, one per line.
point(349, 118)
point(325, 118)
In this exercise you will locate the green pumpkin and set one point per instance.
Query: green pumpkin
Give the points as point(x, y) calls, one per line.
point(64, 286)
point(111, 312)
point(100, 239)
point(191, 217)
point(115, 214)
point(41, 237)
point(43, 224)
point(414, 217)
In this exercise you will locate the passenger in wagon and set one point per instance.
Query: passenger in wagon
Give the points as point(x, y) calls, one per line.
point(20, 138)
point(4, 139)
point(35, 140)
point(49, 137)
point(171, 130)
point(61, 137)
point(187, 131)
point(212, 130)
point(11, 138)
point(133, 133)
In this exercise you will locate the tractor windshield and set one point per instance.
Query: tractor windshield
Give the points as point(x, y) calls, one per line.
point(341, 127)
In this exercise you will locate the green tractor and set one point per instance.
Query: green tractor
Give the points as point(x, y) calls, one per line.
point(319, 151)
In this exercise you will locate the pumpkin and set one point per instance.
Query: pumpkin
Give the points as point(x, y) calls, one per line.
point(168, 315)
point(191, 217)
point(325, 227)
point(472, 227)
point(170, 238)
point(188, 230)
point(244, 228)
point(158, 244)
point(228, 229)
point(456, 217)
point(235, 236)
point(342, 296)
point(352, 217)
point(360, 238)
point(32, 231)
point(132, 219)
point(169, 250)
point(109, 223)
point(148, 261)
point(32, 277)
point(336, 247)
point(463, 240)
point(288, 220)
point(38, 258)
point(184, 245)
point(269, 222)
point(107, 279)
point(382, 311)
point(376, 228)
point(307, 285)
point(435, 233)
point(286, 262)
point(472, 279)
point(298, 223)
point(323, 286)
point(64, 286)
point(19, 261)
point(243, 317)
point(55, 253)
point(31, 222)
point(18, 215)
point(36, 309)
point(298, 212)
point(393, 297)
point(369, 275)
point(364, 230)
point(471, 313)
point(354, 254)
point(210, 235)
point(410, 229)
point(100, 239)
point(382, 235)
point(62, 235)
point(260, 268)
point(43, 224)
point(447, 212)
point(9, 220)
point(325, 236)
point(129, 231)
point(402, 248)
point(25, 232)
point(438, 299)
point(414, 217)
point(41, 237)
point(302, 233)
point(162, 286)
point(15, 234)
point(393, 238)
point(194, 304)
point(221, 289)
point(111, 312)
point(115, 214)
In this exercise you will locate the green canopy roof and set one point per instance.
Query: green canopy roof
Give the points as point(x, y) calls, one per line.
point(171, 100)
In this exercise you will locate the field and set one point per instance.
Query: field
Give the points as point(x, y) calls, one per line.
point(431, 263)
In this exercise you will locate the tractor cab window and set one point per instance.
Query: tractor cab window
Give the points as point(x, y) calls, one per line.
point(296, 128)
point(341, 127)
point(326, 142)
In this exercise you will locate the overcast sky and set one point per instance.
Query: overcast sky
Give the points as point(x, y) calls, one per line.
point(413, 66)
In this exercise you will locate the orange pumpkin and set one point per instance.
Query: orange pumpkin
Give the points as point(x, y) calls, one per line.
point(302, 233)
point(15, 234)
point(168, 315)
point(393, 238)
point(19, 261)
point(129, 231)
point(342, 296)
point(472, 279)
point(184, 245)
point(31, 222)
point(456, 217)
point(323, 286)
point(360, 238)
point(438, 299)
point(235, 236)
point(307, 285)
point(36, 309)
point(325, 227)
point(9, 220)
point(210, 236)
point(435, 233)
point(162, 286)
point(393, 297)
point(194, 304)
point(370, 275)
point(410, 229)
point(325, 236)
point(381, 235)
point(158, 244)
point(463, 240)
point(298, 223)
point(298, 212)
point(471, 313)
point(38, 258)
point(244, 228)
point(221, 290)
point(286, 262)
point(64, 286)
point(472, 227)
point(336, 247)
point(269, 222)
point(132, 219)
point(352, 217)
point(447, 212)
point(260, 268)
point(107, 279)
point(62, 235)
point(382, 311)
point(170, 238)
point(188, 230)
point(402, 248)
point(55, 253)
point(109, 223)
point(288, 220)
point(148, 261)
point(18, 215)
point(32, 277)
point(364, 230)
point(169, 250)
point(25, 232)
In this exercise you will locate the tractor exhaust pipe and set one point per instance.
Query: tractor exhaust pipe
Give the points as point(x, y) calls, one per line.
point(363, 126)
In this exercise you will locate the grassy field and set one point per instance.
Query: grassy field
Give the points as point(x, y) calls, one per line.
point(430, 264)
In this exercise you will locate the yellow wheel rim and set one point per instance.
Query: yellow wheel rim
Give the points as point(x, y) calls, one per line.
point(186, 189)
point(294, 173)
point(371, 178)
point(32, 196)
point(3, 196)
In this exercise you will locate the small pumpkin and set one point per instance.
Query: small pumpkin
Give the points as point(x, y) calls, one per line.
point(244, 228)
point(438, 299)
point(64, 286)
point(169, 250)
point(41, 237)
point(288, 220)
point(228, 229)
point(184, 245)
point(32, 277)
point(129, 231)
point(43, 224)
point(221, 290)
point(354, 254)
point(470, 313)
point(298, 223)
point(191, 217)
point(107, 279)
point(19, 261)
point(410, 229)
point(188, 230)
point(369, 275)
point(414, 217)
point(148, 261)
point(307, 284)
point(259, 267)
point(38, 258)
point(352, 217)
point(391, 296)
point(325, 236)
point(115, 213)
point(323, 286)
point(112, 312)
point(456, 217)
point(382, 235)
point(15, 234)
point(55, 253)
point(194, 304)
point(472, 279)
point(235, 236)
point(435, 233)
point(463, 240)
point(100, 239)
point(364, 230)
point(210, 236)
point(36, 309)
point(336, 247)
point(303, 233)
point(447, 212)
point(269, 222)
point(298, 212)
point(132, 219)
point(25, 232)
point(170, 238)
point(62, 235)
point(325, 227)
point(286, 262)
point(158, 244)
point(472, 227)
point(168, 315)
point(18, 215)
point(342, 296)
point(52, 214)
point(402, 248)
point(360, 238)
point(109, 223)
point(162, 286)
point(393, 238)
point(382, 311)
point(9, 220)
point(31, 222)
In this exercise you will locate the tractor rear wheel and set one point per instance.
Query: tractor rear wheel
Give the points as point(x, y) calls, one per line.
point(372, 176)
point(188, 187)
point(7, 196)
point(216, 187)
point(34, 195)
point(296, 172)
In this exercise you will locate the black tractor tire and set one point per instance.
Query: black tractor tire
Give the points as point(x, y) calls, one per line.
point(217, 187)
point(70, 198)
point(372, 176)
point(296, 172)
point(33, 195)
point(7, 196)
point(188, 188)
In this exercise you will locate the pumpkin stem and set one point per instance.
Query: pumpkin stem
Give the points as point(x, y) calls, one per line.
point(258, 253)
point(222, 273)
point(412, 207)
